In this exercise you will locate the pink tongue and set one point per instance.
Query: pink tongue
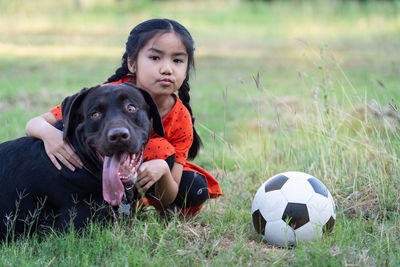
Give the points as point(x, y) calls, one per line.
point(113, 189)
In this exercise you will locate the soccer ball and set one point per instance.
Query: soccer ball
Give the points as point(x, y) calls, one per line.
point(292, 207)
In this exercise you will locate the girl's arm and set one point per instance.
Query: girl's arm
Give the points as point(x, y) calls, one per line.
point(167, 182)
point(42, 128)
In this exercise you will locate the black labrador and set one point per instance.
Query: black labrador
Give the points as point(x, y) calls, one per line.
point(109, 127)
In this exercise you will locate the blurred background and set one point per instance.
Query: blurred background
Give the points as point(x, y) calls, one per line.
point(249, 54)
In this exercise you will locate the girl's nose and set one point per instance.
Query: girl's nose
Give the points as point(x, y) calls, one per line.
point(166, 68)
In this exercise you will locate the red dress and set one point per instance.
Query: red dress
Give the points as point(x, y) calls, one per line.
point(178, 138)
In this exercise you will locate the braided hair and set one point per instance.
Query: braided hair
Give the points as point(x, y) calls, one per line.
point(138, 38)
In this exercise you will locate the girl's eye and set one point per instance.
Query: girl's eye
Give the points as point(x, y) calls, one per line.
point(131, 108)
point(178, 60)
point(95, 115)
point(154, 57)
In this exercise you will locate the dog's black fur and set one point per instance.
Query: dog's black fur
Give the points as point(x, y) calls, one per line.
point(34, 193)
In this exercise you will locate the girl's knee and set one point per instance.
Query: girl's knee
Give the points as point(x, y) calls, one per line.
point(201, 195)
point(193, 190)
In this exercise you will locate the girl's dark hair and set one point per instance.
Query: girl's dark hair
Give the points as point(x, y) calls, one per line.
point(138, 38)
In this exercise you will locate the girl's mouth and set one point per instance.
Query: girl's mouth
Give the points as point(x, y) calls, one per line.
point(165, 82)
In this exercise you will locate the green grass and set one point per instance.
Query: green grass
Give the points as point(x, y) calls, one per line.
point(310, 86)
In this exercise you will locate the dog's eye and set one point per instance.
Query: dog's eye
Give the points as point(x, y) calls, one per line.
point(131, 108)
point(95, 115)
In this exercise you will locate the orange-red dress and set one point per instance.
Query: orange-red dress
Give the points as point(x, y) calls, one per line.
point(178, 138)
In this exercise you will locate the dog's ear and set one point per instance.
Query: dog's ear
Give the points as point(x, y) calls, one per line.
point(69, 108)
point(157, 122)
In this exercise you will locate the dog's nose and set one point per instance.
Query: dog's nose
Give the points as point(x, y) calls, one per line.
point(119, 134)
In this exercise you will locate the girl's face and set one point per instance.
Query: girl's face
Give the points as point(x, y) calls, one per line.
point(161, 65)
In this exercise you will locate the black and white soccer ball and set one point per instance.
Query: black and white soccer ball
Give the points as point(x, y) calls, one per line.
point(292, 207)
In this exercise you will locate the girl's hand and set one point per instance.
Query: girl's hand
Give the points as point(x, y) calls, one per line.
point(149, 173)
point(42, 127)
point(57, 149)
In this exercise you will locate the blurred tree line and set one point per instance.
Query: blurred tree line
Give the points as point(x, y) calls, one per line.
point(325, 0)
point(78, 3)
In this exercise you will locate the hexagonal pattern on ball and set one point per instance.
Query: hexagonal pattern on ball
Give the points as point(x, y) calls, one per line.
point(318, 186)
point(275, 183)
point(297, 190)
point(329, 225)
point(279, 233)
point(273, 206)
point(319, 209)
point(297, 175)
point(295, 215)
point(259, 199)
point(258, 222)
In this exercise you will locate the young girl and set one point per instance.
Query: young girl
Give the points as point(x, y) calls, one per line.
point(158, 58)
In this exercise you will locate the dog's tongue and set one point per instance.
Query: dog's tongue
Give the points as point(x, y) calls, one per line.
point(113, 189)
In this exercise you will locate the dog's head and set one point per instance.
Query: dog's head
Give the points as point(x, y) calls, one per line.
point(109, 127)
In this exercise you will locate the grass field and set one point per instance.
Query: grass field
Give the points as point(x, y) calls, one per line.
point(311, 86)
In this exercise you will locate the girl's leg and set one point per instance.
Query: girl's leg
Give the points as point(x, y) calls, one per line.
point(193, 190)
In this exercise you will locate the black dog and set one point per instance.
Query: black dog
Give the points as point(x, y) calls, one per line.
point(108, 126)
